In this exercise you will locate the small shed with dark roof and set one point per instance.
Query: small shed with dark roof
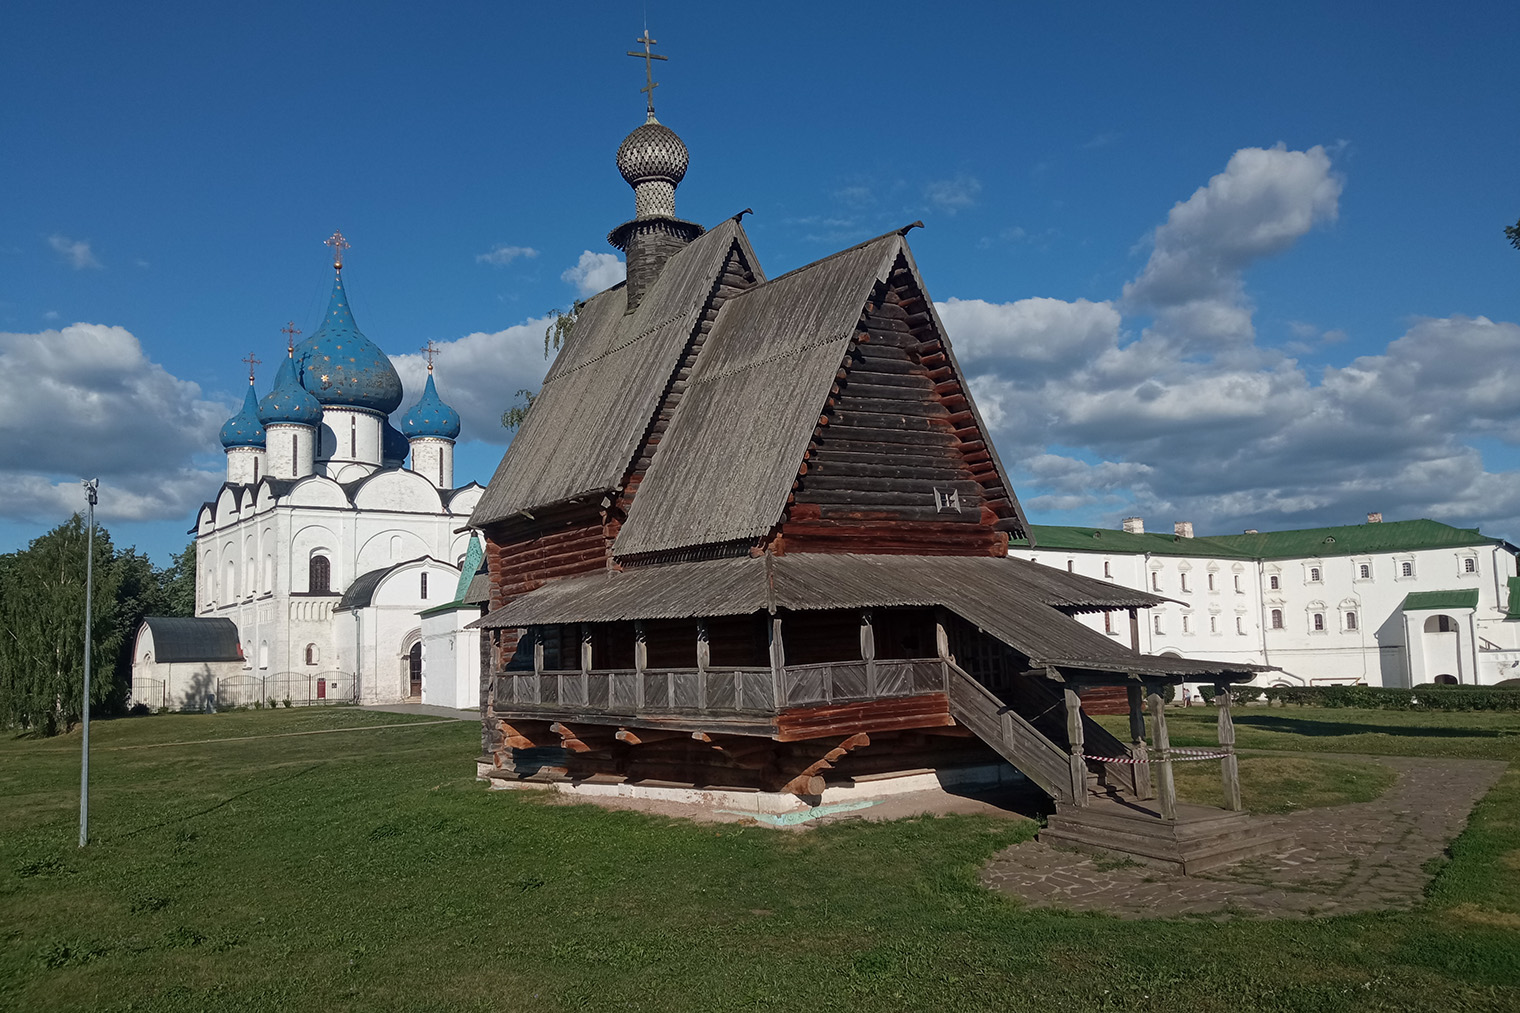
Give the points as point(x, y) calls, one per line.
point(177, 662)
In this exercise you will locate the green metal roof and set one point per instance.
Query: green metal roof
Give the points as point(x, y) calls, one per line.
point(1514, 597)
point(1347, 540)
point(1418, 601)
point(1053, 536)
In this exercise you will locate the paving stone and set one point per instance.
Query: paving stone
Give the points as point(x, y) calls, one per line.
point(1343, 859)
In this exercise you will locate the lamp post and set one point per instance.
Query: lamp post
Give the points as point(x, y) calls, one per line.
point(91, 487)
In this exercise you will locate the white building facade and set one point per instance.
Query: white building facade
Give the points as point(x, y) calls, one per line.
point(321, 547)
point(1383, 604)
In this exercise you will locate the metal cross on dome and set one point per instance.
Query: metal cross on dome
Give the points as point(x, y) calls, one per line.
point(339, 244)
point(290, 330)
point(251, 361)
point(431, 351)
point(647, 56)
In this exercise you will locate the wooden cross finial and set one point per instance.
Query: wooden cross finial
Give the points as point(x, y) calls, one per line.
point(339, 244)
point(431, 351)
point(251, 361)
point(290, 331)
point(647, 56)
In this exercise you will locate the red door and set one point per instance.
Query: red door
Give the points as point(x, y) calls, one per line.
point(321, 689)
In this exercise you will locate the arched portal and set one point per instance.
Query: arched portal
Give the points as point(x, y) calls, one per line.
point(414, 669)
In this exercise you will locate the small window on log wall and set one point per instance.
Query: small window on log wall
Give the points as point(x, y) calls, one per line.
point(671, 643)
point(739, 641)
point(562, 647)
point(612, 646)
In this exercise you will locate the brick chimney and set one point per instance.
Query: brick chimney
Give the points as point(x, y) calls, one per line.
point(1375, 518)
point(1183, 529)
point(1134, 525)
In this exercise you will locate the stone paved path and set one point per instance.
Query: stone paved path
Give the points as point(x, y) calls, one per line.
point(1359, 857)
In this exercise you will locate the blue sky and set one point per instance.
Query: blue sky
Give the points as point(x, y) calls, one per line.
point(1240, 267)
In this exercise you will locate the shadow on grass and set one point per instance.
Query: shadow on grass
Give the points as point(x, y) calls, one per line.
point(1308, 726)
point(217, 805)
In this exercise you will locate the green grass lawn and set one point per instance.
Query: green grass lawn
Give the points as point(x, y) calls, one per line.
point(364, 868)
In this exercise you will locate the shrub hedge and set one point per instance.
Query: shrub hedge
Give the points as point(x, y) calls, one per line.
point(1428, 697)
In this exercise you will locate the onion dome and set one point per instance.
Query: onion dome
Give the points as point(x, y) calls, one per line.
point(339, 366)
point(244, 428)
point(430, 416)
point(652, 152)
point(393, 446)
point(289, 401)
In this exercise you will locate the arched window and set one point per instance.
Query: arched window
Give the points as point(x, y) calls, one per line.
point(1155, 580)
point(1237, 585)
point(1182, 580)
point(1211, 582)
point(1469, 565)
point(1071, 566)
point(1314, 574)
point(424, 585)
point(1277, 619)
point(1274, 583)
point(263, 654)
point(1108, 569)
point(1350, 620)
point(1108, 622)
point(1319, 622)
point(1364, 571)
point(319, 575)
point(311, 654)
point(1157, 624)
point(1186, 623)
point(1240, 624)
point(1440, 624)
point(1446, 680)
point(1213, 624)
point(1406, 568)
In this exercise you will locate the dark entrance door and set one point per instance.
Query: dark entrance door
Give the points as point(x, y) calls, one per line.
point(414, 660)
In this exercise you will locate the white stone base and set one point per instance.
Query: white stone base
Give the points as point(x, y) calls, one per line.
point(876, 787)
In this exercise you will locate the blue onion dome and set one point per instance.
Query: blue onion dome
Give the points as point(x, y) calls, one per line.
point(244, 428)
point(341, 367)
point(289, 401)
point(430, 416)
point(393, 446)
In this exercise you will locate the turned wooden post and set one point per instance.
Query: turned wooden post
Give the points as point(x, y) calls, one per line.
point(585, 664)
point(704, 658)
point(1134, 630)
point(778, 663)
point(868, 650)
point(640, 662)
point(1229, 765)
point(1074, 737)
point(538, 664)
point(1166, 788)
point(1137, 747)
point(942, 646)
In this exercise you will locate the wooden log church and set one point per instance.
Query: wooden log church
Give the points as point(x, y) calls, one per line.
point(753, 535)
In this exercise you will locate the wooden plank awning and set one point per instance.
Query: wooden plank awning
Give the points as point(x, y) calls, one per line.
point(1020, 603)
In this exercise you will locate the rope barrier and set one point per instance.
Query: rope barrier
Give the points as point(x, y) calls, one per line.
point(1176, 755)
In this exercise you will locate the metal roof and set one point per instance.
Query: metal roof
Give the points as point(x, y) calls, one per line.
point(1417, 601)
point(1013, 600)
point(187, 639)
point(604, 387)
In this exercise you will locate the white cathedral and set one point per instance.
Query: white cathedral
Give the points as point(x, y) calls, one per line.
point(327, 569)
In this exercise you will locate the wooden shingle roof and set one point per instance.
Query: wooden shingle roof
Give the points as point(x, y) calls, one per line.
point(599, 396)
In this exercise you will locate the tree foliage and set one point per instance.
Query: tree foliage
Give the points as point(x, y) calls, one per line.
point(554, 337)
point(42, 591)
point(1512, 233)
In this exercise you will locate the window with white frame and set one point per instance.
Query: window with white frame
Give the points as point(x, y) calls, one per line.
point(1108, 622)
point(1187, 623)
point(1238, 588)
point(1351, 622)
point(1155, 580)
point(1108, 569)
point(1314, 575)
point(1213, 624)
point(1406, 568)
point(1211, 580)
point(1155, 623)
point(1182, 581)
point(1469, 564)
point(1240, 625)
point(1317, 622)
point(1274, 582)
point(1364, 571)
point(1277, 619)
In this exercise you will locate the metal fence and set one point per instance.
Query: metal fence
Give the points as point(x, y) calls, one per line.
point(301, 689)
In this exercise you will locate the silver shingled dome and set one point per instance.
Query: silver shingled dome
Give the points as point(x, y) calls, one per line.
point(652, 152)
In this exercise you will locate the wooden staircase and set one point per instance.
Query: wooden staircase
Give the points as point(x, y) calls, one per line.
point(1097, 804)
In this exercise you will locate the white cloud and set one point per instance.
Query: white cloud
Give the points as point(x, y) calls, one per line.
point(952, 195)
point(1193, 420)
point(479, 375)
point(84, 401)
point(595, 272)
point(76, 252)
point(501, 255)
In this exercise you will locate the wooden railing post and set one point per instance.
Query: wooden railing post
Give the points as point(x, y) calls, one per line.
point(538, 664)
point(704, 657)
point(868, 650)
point(778, 662)
point(1166, 787)
point(1137, 748)
point(942, 646)
point(1074, 739)
point(640, 662)
point(1229, 764)
point(585, 664)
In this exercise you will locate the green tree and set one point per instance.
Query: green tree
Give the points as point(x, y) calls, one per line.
point(42, 591)
point(1512, 233)
point(554, 337)
point(178, 583)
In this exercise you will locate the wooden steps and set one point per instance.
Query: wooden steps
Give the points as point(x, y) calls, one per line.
point(1200, 838)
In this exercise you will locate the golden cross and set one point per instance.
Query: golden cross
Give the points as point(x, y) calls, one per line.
point(650, 83)
point(290, 331)
point(251, 363)
point(339, 244)
point(431, 351)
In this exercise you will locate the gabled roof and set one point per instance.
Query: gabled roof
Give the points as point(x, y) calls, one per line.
point(1016, 601)
point(1418, 601)
point(606, 384)
point(193, 639)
